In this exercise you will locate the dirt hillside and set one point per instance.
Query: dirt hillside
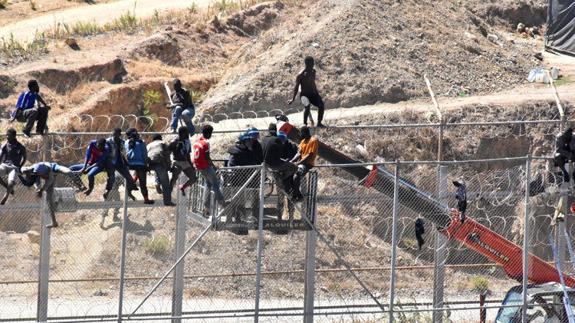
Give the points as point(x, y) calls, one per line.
point(370, 51)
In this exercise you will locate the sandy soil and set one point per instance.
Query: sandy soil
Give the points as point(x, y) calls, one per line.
point(101, 13)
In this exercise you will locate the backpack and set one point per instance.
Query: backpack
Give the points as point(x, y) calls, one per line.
point(135, 151)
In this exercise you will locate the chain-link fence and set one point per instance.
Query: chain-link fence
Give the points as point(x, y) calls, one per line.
point(348, 252)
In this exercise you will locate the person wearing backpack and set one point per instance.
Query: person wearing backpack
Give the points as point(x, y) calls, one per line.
point(181, 148)
point(159, 161)
point(137, 156)
point(26, 110)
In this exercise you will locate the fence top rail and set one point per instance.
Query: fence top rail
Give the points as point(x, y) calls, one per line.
point(435, 162)
point(374, 126)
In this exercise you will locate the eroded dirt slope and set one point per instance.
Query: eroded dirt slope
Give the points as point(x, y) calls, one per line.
point(370, 51)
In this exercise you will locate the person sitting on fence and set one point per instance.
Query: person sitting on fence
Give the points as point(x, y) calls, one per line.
point(119, 161)
point(159, 162)
point(46, 171)
point(181, 149)
point(305, 158)
point(306, 81)
point(27, 112)
point(273, 151)
point(137, 156)
point(254, 146)
point(12, 158)
point(95, 162)
point(182, 107)
point(461, 197)
point(563, 151)
point(204, 164)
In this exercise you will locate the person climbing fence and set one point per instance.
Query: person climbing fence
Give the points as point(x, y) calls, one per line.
point(563, 152)
point(182, 107)
point(95, 162)
point(137, 156)
point(159, 162)
point(46, 171)
point(12, 158)
point(181, 148)
point(204, 164)
point(461, 197)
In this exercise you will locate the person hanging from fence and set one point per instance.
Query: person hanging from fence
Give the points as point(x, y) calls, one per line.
point(95, 162)
point(31, 108)
point(137, 156)
point(12, 158)
point(419, 232)
point(461, 197)
point(182, 107)
point(159, 162)
point(46, 171)
point(119, 161)
point(204, 164)
point(289, 151)
point(305, 158)
point(283, 170)
point(181, 149)
point(563, 151)
point(305, 81)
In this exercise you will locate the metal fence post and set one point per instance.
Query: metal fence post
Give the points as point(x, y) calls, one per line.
point(180, 245)
point(394, 241)
point(123, 254)
point(310, 243)
point(526, 240)
point(560, 225)
point(260, 243)
point(44, 266)
point(440, 253)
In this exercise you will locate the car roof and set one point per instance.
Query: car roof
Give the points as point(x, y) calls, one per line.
point(547, 289)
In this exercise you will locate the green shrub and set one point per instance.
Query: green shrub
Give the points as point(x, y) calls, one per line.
point(480, 284)
point(158, 246)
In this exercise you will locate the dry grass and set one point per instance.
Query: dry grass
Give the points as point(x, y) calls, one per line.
point(4, 4)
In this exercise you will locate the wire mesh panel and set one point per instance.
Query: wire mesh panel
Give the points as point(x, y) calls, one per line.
point(220, 269)
point(353, 251)
point(20, 240)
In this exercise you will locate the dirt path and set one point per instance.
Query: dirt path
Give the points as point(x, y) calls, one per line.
point(517, 96)
point(100, 13)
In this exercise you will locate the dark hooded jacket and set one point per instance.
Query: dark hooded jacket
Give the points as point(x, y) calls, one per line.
point(241, 156)
point(563, 144)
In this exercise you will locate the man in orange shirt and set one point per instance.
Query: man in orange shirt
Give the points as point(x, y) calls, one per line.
point(305, 159)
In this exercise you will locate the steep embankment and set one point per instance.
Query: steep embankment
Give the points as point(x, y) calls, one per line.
point(370, 51)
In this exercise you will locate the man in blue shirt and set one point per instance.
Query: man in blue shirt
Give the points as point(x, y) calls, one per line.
point(26, 110)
